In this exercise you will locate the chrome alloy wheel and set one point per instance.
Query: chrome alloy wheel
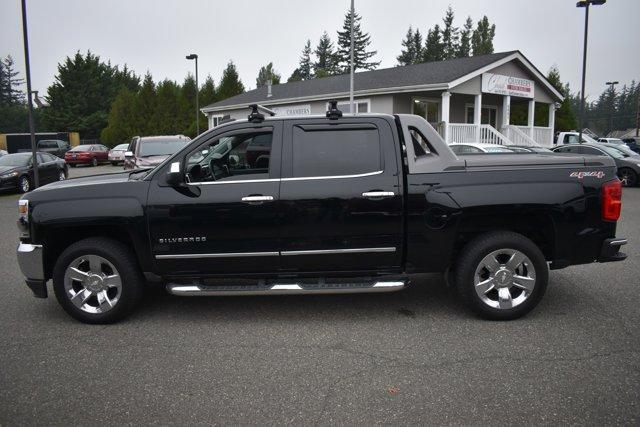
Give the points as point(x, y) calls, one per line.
point(92, 284)
point(505, 278)
point(61, 176)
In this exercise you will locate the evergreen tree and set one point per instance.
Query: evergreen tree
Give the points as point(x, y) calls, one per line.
point(166, 119)
point(207, 93)
point(145, 105)
point(305, 67)
point(565, 116)
point(361, 42)
point(230, 84)
point(482, 38)
point(10, 93)
point(186, 107)
point(123, 123)
point(408, 54)
point(326, 60)
point(296, 76)
point(464, 47)
point(450, 36)
point(433, 49)
point(80, 97)
point(267, 74)
point(418, 46)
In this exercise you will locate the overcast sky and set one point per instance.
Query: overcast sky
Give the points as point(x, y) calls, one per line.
point(156, 35)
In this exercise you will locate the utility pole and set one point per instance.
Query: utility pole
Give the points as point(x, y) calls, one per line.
point(585, 4)
point(32, 129)
point(612, 93)
point(351, 105)
point(638, 114)
point(190, 57)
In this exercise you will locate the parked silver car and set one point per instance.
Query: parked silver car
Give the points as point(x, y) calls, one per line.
point(116, 154)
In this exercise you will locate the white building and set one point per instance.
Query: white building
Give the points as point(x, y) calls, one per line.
point(466, 99)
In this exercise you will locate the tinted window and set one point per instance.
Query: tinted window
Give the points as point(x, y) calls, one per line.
point(465, 149)
point(242, 156)
point(42, 159)
point(49, 157)
point(322, 152)
point(82, 148)
point(589, 150)
point(47, 144)
point(161, 146)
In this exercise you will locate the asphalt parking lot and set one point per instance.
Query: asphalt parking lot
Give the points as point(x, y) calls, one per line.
point(413, 357)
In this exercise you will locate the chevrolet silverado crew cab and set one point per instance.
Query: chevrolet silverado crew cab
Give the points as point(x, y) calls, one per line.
point(317, 205)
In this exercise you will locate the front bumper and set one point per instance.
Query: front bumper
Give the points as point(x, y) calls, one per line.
point(31, 262)
point(611, 250)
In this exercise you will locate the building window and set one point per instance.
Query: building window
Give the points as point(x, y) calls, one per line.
point(427, 108)
point(487, 115)
point(362, 106)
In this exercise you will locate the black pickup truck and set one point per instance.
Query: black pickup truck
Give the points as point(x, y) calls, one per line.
point(315, 205)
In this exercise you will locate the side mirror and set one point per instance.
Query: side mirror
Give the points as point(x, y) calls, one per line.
point(128, 154)
point(174, 177)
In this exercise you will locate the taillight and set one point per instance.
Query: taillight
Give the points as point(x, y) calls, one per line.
point(611, 200)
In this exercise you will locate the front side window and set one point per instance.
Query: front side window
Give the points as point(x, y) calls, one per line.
point(235, 157)
point(335, 152)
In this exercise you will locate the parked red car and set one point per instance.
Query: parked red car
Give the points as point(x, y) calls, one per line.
point(89, 154)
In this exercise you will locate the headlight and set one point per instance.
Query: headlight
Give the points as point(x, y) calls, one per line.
point(23, 210)
point(9, 175)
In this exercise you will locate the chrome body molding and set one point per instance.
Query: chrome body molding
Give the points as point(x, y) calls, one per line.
point(338, 251)
point(286, 289)
point(283, 253)
point(30, 260)
point(218, 255)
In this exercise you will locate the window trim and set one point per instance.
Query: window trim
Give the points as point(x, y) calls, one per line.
point(335, 127)
point(472, 105)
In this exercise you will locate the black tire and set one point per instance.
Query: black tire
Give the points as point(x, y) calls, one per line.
point(125, 263)
point(72, 165)
point(94, 162)
point(470, 259)
point(114, 163)
point(24, 184)
point(628, 177)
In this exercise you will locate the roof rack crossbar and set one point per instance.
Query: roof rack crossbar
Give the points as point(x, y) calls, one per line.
point(255, 116)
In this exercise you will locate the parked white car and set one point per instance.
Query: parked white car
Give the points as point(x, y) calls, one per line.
point(116, 154)
point(476, 148)
point(572, 138)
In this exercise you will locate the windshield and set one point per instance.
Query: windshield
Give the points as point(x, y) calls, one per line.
point(613, 152)
point(161, 147)
point(82, 148)
point(626, 150)
point(615, 141)
point(18, 159)
point(121, 147)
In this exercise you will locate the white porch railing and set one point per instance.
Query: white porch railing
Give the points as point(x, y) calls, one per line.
point(462, 133)
point(518, 136)
point(490, 135)
point(543, 136)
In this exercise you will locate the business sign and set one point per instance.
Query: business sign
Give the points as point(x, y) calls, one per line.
point(507, 85)
point(293, 110)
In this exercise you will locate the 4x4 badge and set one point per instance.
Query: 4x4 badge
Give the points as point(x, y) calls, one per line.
point(583, 174)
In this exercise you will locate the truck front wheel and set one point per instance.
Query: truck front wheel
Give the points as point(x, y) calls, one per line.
point(501, 275)
point(97, 280)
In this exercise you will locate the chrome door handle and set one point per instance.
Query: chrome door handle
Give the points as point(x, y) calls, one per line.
point(378, 194)
point(259, 199)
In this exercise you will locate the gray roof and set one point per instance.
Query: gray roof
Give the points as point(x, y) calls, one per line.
point(410, 75)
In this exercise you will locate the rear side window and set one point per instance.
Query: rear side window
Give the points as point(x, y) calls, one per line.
point(335, 152)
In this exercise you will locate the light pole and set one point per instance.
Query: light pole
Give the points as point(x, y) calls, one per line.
point(194, 56)
point(585, 4)
point(32, 131)
point(612, 89)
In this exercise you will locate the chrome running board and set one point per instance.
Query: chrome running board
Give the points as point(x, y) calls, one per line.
point(287, 288)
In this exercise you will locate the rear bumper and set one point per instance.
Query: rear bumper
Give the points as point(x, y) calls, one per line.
point(31, 262)
point(611, 250)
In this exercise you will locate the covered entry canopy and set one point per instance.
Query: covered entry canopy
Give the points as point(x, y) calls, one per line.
point(466, 99)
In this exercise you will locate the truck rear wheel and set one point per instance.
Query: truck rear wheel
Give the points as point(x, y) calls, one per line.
point(97, 280)
point(501, 275)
